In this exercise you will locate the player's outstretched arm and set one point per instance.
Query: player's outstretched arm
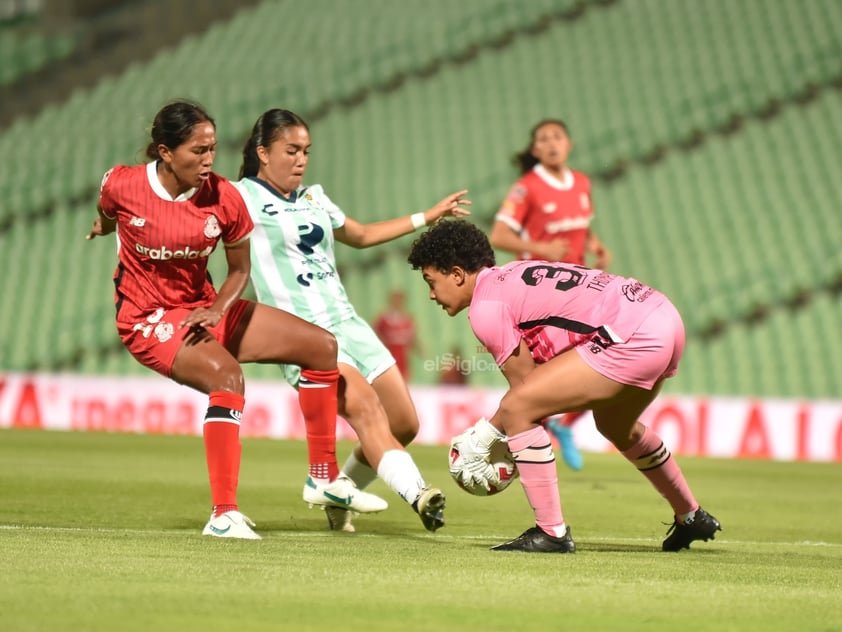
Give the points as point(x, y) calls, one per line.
point(504, 237)
point(102, 226)
point(601, 254)
point(358, 235)
point(239, 267)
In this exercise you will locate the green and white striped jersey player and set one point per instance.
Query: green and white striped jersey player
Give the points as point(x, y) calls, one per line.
point(294, 268)
point(293, 261)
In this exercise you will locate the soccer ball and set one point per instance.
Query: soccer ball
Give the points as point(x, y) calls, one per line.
point(505, 469)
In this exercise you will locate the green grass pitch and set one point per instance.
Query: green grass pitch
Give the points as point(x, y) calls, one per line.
point(101, 532)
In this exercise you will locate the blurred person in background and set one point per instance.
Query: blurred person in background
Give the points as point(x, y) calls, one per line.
point(396, 329)
point(454, 373)
point(294, 268)
point(547, 215)
point(170, 214)
point(566, 338)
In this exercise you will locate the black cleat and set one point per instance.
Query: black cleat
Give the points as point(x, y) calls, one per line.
point(430, 507)
point(536, 540)
point(702, 527)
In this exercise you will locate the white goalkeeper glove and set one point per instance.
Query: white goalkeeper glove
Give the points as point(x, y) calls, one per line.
point(475, 449)
point(476, 475)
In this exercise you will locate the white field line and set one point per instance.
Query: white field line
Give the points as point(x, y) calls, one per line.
point(438, 536)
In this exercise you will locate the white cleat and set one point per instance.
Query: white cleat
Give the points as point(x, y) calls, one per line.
point(231, 524)
point(342, 493)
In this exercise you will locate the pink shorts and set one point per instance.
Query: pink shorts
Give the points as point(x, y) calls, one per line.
point(650, 354)
point(155, 340)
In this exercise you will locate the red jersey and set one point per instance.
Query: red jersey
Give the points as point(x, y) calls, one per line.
point(397, 332)
point(540, 207)
point(164, 243)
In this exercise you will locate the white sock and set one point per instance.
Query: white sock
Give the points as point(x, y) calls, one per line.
point(361, 473)
point(398, 471)
point(559, 530)
point(687, 518)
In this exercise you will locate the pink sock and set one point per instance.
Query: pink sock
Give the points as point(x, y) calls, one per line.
point(533, 453)
point(653, 459)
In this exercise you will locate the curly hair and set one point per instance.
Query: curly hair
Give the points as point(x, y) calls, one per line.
point(452, 243)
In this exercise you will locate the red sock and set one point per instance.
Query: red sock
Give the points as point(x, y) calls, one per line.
point(653, 459)
point(221, 431)
point(568, 419)
point(565, 419)
point(318, 400)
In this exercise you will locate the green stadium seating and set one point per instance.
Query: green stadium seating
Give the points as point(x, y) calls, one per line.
point(761, 202)
point(25, 49)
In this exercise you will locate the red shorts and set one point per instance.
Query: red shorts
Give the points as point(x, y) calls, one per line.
point(651, 353)
point(155, 340)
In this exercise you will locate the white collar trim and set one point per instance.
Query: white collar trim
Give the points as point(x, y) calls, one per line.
point(158, 188)
point(562, 185)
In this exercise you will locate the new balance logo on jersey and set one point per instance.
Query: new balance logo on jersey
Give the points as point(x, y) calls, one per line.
point(137, 221)
point(164, 254)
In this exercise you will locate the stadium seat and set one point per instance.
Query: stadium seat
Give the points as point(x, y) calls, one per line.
point(627, 77)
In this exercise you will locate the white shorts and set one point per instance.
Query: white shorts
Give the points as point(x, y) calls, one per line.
point(358, 346)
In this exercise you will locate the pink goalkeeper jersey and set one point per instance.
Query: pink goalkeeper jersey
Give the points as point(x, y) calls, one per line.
point(554, 307)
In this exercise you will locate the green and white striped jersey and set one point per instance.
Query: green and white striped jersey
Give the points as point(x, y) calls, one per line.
point(293, 265)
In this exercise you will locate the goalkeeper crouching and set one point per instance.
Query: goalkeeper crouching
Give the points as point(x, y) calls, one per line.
point(566, 338)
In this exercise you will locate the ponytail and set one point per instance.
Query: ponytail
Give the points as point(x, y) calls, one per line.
point(173, 125)
point(268, 127)
point(524, 160)
point(251, 163)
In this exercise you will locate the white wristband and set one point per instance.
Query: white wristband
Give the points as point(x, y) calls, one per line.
point(418, 220)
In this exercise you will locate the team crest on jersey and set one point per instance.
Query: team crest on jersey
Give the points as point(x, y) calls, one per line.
point(584, 200)
point(212, 228)
point(163, 331)
point(517, 194)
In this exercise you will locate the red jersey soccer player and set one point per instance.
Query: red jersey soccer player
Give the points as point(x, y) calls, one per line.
point(396, 329)
point(547, 215)
point(170, 215)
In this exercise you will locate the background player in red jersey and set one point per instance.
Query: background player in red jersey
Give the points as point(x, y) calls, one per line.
point(396, 329)
point(169, 215)
point(547, 215)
